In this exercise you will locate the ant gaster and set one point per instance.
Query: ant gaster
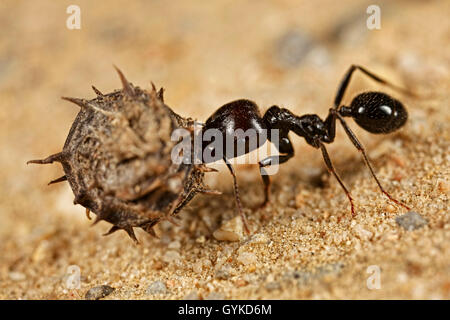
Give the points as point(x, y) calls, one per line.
point(375, 112)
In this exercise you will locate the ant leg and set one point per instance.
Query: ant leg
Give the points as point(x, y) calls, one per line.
point(330, 125)
point(360, 148)
point(330, 167)
point(266, 178)
point(267, 184)
point(285, 146)
point(345, 81)
point(236, 195)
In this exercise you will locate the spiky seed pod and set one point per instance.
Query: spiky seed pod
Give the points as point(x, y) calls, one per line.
point(117, 159)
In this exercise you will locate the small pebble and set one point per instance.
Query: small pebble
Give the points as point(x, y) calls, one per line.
point(171, 283)
point(193, 295)
point(411, 221)
point(362, 233)
point(273, 286)
point(98, 292)
point(215, 296)
point(390, 208)
point(259, 238)
point(175, 245)
point(331, 268)
point(222, 274)
point(171, 255)
point(444, 187)
point(197, 267)
point(16, 276)
point(157, 287)
point(201, 239)
point(158, 265)
point(299, 200)
point(224, 235)
point(240, 283)
point(231, 230)
point(251, 268)
point(41, 252)
point(247, 258)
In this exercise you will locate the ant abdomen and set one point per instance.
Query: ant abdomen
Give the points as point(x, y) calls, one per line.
point(376, 112)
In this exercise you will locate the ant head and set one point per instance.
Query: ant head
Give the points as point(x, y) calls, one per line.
point(376, 112)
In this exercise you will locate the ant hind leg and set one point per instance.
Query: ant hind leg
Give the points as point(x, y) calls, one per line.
point(346, 80)
point(360, 148)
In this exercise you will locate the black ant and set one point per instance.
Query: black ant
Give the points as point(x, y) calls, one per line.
point(376, 112)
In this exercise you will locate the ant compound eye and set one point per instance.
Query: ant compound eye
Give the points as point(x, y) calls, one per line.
point(378, 112)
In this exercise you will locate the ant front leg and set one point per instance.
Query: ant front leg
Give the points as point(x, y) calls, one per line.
point(285, 147)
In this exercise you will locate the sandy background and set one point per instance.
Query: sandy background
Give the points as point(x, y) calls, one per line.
point(207, 53)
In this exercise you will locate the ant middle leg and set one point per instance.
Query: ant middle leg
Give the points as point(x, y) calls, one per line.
point(346, 80)
point(236, 195)
point(360, 148)
point(330, 167)
point(285, 147)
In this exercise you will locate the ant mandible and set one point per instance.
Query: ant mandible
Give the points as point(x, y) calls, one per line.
point(376, 112)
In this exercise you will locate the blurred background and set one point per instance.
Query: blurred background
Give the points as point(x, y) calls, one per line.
point(204, 53)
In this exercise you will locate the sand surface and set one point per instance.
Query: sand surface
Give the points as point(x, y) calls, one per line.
point(291, 53)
